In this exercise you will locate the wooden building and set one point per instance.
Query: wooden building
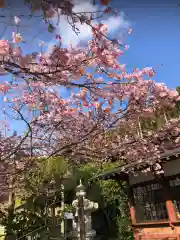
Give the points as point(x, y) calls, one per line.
point(154, 196)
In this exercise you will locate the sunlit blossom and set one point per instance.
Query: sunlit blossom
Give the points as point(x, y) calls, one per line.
point(17, 38)
point(16, 20)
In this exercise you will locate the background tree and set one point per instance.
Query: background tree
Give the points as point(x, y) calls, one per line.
point(31, 217)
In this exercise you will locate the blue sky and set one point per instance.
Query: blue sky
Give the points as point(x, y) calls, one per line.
point(155, 39)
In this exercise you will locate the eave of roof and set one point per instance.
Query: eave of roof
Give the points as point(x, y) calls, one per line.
point(121, 171)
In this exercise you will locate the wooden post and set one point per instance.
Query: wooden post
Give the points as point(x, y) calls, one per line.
point(169, 203)
point(131, 205)
point(131, 202)
point(171, 211)
point(130, 199)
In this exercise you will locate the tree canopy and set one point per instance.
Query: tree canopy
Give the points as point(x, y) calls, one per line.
point(106, 107)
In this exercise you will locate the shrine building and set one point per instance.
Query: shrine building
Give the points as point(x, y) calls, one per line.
point(154, 196)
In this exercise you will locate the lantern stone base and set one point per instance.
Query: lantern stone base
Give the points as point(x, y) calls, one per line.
point(89, 235)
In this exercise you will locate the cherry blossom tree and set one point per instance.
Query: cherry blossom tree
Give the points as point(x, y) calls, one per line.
point(101, 118)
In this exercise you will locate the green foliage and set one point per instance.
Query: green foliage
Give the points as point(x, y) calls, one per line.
point(50, 28)
point(110, 195)
point(44, 171)
point(178, 103)
point(33, 213)
point(112, 199)
point(178, 89)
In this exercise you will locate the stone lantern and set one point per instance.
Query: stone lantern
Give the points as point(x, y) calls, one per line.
point(88, 207)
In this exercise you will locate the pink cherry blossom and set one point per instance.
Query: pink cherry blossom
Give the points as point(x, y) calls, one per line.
point(4, 47)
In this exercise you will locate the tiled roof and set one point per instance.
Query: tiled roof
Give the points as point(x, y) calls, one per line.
point(123, 169)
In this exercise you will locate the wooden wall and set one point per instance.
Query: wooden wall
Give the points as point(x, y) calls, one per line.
point(157, 232)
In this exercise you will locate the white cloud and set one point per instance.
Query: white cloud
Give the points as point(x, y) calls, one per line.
point(116, 24)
